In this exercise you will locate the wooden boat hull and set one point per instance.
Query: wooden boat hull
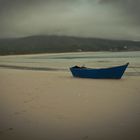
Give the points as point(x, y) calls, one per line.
point(103, 73)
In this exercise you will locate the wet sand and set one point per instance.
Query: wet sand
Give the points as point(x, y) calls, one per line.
point(52, 105)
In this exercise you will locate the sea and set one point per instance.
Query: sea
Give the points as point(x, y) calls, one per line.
point(63, 61)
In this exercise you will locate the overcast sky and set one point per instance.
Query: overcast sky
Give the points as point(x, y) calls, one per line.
point(115, 19)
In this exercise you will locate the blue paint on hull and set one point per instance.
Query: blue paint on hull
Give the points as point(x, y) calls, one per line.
point(103, 73)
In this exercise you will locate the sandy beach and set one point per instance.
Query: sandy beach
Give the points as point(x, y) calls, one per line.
point(52, 105)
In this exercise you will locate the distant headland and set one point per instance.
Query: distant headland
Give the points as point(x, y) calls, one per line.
point(58, 44)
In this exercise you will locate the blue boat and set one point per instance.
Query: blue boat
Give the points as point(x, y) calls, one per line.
point(101, 73)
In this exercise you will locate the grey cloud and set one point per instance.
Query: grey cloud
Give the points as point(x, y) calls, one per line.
point(130, 8)
point(96, 18)
point(7, 6)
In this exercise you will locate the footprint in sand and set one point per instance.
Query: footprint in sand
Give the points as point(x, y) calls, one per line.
point(27, 101)
point(10, 129)
point(19, 113)
point(85, 138)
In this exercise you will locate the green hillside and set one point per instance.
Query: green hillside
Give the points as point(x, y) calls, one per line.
point(56, 44)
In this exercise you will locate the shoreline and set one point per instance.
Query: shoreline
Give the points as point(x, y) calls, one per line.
point(16, 67)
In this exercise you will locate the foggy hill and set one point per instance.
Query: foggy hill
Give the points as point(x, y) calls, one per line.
point(56, 44)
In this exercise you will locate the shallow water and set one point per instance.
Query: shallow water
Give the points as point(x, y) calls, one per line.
point(63, 61)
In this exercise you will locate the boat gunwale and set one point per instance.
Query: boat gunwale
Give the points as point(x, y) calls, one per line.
point(86, 68)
